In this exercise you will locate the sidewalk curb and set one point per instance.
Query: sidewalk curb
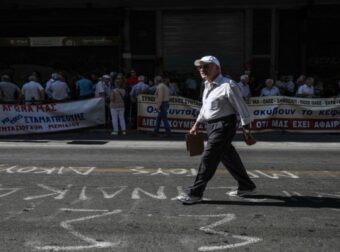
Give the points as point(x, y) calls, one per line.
point(161, 145)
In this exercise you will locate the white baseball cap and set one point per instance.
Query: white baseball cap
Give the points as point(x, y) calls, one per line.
point(207, 60)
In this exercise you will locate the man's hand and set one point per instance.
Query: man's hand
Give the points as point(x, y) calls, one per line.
point(249, 139)
point(194, 129)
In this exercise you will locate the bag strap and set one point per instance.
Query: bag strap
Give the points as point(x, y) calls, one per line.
point(120, 94)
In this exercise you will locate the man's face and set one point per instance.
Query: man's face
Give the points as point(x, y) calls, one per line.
point(269, 84)
point(158, 80)
point(208, 71)
point(310, 81)
point(106, 80)
point(166, 81)
point(245, 80)
point(119, 80)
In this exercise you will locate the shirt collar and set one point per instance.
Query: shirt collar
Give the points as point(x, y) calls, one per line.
point(217, 81)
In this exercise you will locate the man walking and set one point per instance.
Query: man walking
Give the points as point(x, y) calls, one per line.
point(221, 101)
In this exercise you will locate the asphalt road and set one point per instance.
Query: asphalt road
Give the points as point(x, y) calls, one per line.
point(65, 194)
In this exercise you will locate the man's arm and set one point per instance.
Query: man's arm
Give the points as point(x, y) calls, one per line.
point(195, 128)
point(235, 98)
point(159, 96)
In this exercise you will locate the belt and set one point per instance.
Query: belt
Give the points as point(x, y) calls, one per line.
point(224, 118)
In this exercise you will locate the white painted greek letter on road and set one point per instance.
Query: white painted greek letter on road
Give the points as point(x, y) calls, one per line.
point(60, 194)
point(93, 243)
point(210, 229)
point(111, 195)
point(8, 191)
point(160, 193)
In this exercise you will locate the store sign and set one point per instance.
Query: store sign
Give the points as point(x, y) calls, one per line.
point(60, 41)
point(16, 42)
point(46, 41)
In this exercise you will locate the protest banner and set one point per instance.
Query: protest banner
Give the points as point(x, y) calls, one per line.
point(50, 117)
point(294, 114)
point(181, 114)
point(278, 113)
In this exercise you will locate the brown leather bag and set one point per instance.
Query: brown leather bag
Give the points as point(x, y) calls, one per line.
point(195, 144)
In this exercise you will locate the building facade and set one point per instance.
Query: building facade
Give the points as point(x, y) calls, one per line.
point(267, 37)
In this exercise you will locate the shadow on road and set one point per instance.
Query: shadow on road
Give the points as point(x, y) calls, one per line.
point(89, 142)
point(280, 201)
point(102, 134)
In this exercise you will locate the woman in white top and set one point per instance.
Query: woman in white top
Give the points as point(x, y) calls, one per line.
point(117, 107)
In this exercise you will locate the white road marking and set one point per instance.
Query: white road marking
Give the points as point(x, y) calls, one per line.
point(82, 195)
point(180, 191)
point(45, 170)
point(160, 193)
point(79, 170)
point(60, 193)
point(9, 169)
point(82, 210)
point(111, 195)
point(210, 229)
point(252, 175)
point(288, 194)
point(93, 243)
point(278, 174)
point(9, 191)
point(320, 194)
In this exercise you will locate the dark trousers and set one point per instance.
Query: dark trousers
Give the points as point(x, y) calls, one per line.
point(219, 149)
point(133, 115)
point(163, 116)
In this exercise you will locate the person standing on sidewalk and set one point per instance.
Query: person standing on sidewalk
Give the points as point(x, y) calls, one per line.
point(162, 106)
point(221, 101)
point(117, 108)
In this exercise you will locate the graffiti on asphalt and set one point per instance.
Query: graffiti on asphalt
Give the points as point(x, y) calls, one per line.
point(16, 169)
point(140, 170)
point(109, 192)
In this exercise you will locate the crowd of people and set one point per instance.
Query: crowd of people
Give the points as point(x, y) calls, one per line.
point(120, 91)
point(303, 86)
point(59, 89)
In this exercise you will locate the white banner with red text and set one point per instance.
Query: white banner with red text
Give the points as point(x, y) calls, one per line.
point(51, 117)
point(279, 113)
